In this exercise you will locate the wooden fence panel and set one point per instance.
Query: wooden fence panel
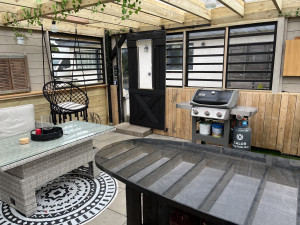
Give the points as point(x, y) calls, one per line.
point(191, 94)
point(267, 120)
point(178, 113)
point(282, 120)
point(260, 119)
point(296, 129)
point(253, 124)
point(274, 121)
point(242, 99)
point(275, 126)
point(173, 112)
point(168, 102)
point(289, 124)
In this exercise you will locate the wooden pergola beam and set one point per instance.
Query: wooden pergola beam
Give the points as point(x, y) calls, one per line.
point(47, 9)
point(278, 5)
point(237, 6)
point(102, 18)
point(27, 3)
point(190, 7)
point(141, 17)
point(107, 26)
point(161, 10)
point(66, 27)
point(72, 19)
point(84, 16)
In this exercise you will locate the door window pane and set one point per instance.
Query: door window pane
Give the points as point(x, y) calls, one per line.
point(144, 48)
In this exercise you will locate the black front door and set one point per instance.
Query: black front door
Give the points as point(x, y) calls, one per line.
point(147, 72)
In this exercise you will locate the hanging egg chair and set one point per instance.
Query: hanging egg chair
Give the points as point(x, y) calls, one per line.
point(65, 98)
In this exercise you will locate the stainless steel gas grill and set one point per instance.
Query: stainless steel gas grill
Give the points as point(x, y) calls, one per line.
point(215, 105)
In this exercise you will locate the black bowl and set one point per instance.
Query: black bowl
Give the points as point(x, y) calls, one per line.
point(47, 135)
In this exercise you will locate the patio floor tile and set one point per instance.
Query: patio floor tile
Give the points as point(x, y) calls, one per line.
point(119, 204)
point(121, 185)
point(108, 217)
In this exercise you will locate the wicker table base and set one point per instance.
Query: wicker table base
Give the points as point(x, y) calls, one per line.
point(18, 185)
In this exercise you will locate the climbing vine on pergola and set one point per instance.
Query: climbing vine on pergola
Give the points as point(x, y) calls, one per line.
point(61, 10)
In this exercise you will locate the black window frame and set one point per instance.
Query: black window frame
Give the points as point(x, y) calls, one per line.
point(270, 81)
point(203, 47)
point(182, 57)
point(99, 58)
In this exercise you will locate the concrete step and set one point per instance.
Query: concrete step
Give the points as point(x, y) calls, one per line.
point(129, 129)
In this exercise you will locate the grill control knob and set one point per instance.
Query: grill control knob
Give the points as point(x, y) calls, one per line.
point(206, 113)
point(195, 111)
point(219, 114)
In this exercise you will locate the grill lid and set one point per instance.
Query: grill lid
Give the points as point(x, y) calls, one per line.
point(215, 98)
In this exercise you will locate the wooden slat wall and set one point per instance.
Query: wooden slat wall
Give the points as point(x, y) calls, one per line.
point(97, 98)
point(276, 126)
point(32, 49)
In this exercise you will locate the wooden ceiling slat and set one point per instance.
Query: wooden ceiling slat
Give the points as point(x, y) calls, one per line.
point(65, 27)
point(108, 26)
point(159, 9)
point(109, 10)
point(72, 19)
point(116, 10)
point(8, 8)
point(235, 5)
point(278, 5)
point(27, 3)
point(100, 17)
point(84, 16)
point(47, 8)
point(190, 7)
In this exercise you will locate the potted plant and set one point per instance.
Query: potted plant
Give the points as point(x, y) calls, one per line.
point(20, 37)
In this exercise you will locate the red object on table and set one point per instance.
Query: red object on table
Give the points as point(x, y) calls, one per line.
point(38, 131)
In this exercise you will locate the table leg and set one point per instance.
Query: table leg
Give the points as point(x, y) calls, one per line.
point(155, 211)
point(133, 205)
point(149, 210)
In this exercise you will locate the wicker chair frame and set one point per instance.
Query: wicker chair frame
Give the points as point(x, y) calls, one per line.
point(66, 99)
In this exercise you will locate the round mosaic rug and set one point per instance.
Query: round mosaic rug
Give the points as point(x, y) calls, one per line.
point(70, 199)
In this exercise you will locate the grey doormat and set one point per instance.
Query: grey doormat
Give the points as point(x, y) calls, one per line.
point(68, 200)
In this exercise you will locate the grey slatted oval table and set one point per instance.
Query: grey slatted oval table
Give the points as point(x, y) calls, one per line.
point(215, 184)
